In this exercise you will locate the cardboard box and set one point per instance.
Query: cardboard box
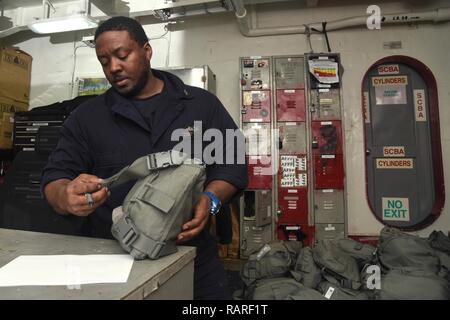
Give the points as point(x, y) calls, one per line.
point(15, 74)
point(6, 130)
point(7, 109)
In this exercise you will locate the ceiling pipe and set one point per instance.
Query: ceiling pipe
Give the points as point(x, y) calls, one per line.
point(245, 21)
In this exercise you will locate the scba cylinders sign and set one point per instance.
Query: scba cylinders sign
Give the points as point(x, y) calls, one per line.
point(395, 209)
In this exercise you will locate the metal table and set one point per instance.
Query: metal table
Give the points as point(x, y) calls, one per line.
point(170, 277)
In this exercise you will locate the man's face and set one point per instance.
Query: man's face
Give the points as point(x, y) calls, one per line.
point(126, 64)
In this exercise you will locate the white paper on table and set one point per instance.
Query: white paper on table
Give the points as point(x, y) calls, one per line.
point(66, 270)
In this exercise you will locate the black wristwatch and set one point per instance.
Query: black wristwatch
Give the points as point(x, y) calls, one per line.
point(215, 202)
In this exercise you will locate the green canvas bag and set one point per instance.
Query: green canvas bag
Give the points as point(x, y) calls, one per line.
point(274, 259)
point(333, 292)
point(305, 269)
point(274, 289)
point(413, 284)
point(337, 266)
point(363, 253)
point(398, 250)
point(160, 202)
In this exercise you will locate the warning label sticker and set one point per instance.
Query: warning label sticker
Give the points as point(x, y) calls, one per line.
point(404, 163)
point(389, 81)
point(393, 94)
point(390, 89)
point(388, 69)
point(366, 109)
point(395, 209)
point(291, 178)
point(419, 104)
point(392, 151)
point(324, 71)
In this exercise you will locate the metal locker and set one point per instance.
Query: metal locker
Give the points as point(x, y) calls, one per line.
point(328, 171)
point(291, 105)
point(325, 104)
point(256, 106)
point(257, 138)
point(326, 137)
point(255, 74)
point(258, 206)
point(329, 206)
point(289, 72)
point(330, 231)
point(260, 172)
point(296, 232)
point(292, 137)
point(254, 237)
point(293, 205)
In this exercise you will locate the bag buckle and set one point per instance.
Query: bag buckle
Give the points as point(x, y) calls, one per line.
point(156, 251)
point(163, 159)
point(151, 162)
point(131, 235)
point(124, 231)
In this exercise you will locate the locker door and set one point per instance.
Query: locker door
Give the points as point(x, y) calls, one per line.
point(403, 157)
point(326, 137)
point(256, 106)
point(293, 205)
point(257, 138)
point(325, 104)
point(255, 74)
point(258, 207)
point(289, 72)
point(329, 206)
point(296, 232)
point(330, 231)
point(291, 105)
point(292, 136)
point(329, 171)
point(259, 170)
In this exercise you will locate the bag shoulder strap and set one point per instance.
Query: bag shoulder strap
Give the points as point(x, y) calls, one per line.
point(142, 166)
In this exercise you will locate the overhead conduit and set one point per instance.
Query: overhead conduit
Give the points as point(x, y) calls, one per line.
point(245, 21)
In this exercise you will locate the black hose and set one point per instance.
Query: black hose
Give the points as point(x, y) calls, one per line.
point(324, 31)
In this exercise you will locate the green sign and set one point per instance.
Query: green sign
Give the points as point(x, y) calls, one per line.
point(395, 209)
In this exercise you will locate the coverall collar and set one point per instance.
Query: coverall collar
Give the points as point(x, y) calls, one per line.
point(122, 106)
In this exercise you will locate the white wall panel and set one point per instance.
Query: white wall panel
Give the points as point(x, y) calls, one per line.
point(217, 42)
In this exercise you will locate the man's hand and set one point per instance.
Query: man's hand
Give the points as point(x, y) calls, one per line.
point(223, 190)
point(72, 196)
point(193, 227)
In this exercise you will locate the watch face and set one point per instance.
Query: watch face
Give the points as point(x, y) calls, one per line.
point(214, 208)
point(215, 203)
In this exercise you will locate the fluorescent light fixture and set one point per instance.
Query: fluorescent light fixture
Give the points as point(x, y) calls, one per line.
point(63, 24)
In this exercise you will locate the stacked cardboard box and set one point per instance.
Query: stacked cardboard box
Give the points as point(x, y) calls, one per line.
point(15, 79)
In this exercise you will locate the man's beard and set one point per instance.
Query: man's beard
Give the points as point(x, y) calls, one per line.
point(140, 84)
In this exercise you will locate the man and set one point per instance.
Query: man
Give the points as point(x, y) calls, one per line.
point(137, 117)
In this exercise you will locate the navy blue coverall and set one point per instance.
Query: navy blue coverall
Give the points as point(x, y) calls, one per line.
point(109, 131)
